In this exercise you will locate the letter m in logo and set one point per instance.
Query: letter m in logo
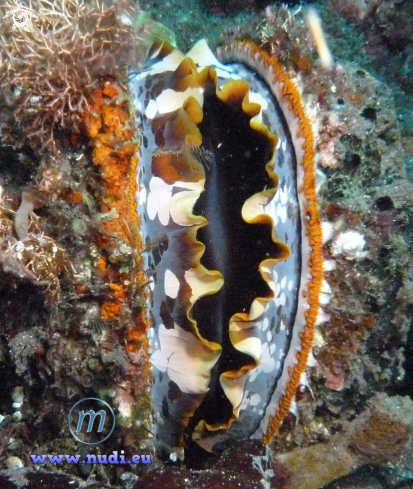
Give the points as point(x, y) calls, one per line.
point(92, 415)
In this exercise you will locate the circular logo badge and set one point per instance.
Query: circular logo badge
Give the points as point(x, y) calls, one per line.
point(91, 421)
point(20, 18)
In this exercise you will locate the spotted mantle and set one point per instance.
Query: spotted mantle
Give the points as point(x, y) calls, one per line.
point(227, 203)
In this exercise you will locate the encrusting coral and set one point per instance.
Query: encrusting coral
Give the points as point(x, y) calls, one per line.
point(378, 435)
point(112, 132)
point(66, 240)
point(364, 205)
